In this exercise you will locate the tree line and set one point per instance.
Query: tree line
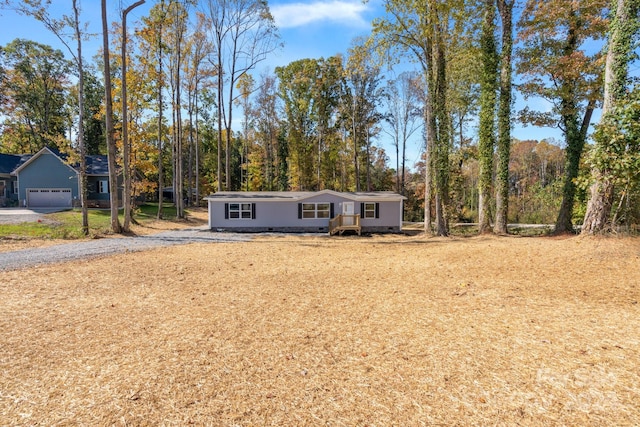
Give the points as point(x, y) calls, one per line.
point(187, 73)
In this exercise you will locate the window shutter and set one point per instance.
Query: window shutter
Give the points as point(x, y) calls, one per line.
point(361, 210)
point(226, 211)
point(299, 210)
point(331, 210)
point(253, 211)
point(377, 210)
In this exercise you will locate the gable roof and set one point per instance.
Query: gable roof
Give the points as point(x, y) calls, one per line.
point(10, 162)
point(14, 163)
point(38, 154)
point(274, 196)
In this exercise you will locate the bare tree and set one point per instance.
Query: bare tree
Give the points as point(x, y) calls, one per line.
point(197, 78)
point(404, 118)
point(243, 33)
point(177, 15)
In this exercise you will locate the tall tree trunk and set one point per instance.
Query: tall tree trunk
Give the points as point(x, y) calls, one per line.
point(505, 7)
point(178, 160)
point(197, 138)
point(368, 158)
point(356, 164)
point(228, 121)
point(174, 139)
point(283, 166)
point(81, 144)
point(404, 161)
point(397, 144)
point(487, 141)
point(442, 142)
point(575, 136)
point(227, 148)
point(430, 137)
point(160, 145)
point(405, 132)
point(220, 110)
point(111, 145)
point(191, 152)
point(575, 144)
point(126, 147)
point(621, 33)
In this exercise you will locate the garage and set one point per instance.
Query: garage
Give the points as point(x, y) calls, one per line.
point(48, 197)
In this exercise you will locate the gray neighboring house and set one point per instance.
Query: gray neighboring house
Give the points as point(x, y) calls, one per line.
point(45, 179)
point(306, 211)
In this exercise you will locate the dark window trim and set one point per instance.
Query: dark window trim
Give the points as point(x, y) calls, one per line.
point(376, 209)
point(315, 210)
point(227, 210)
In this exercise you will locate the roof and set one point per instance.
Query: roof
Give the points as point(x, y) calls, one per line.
point(97, 165)
point(274, 196)
point(10, 162)
point(38, 154)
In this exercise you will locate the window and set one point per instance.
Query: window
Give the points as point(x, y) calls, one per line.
point(103, 186)
point(370, 210)
point(14, 186)
point(315, 210)
point(240, 211)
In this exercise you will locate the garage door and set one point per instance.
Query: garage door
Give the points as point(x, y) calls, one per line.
point(48, 197)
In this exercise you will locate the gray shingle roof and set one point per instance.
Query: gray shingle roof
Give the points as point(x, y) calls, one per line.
point(96, 164)
point(302, 195)
point(10, 162)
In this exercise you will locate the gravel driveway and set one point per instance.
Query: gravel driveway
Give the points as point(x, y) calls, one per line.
point(93, 248)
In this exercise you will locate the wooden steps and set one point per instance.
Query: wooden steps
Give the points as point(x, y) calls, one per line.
point(342, 223)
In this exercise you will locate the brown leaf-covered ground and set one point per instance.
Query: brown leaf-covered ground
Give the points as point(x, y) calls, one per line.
point(295, 331)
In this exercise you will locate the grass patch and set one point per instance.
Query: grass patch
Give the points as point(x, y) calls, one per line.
point(30, 230)
point(68, 224)
point(59, 225)
point(149, 211)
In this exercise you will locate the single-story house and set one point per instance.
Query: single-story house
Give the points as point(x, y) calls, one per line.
point(306, 211)
point(45, 179)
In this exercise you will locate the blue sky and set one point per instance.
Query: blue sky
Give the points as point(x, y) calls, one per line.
point(309, 29)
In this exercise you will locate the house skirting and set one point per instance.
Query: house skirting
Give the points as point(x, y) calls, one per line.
point(376, 230)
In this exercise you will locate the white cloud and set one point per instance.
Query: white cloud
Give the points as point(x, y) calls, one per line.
point(300, 14)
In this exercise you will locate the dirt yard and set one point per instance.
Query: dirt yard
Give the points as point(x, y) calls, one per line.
point(309, 331)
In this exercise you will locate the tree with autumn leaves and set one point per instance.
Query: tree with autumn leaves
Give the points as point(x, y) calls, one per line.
point(554, 64)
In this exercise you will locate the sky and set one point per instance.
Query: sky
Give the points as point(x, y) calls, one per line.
point(309, 29)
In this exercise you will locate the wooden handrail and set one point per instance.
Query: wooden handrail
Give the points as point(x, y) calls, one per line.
point(344, 222)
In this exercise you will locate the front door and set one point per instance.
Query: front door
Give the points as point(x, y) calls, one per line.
point(348, 209)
